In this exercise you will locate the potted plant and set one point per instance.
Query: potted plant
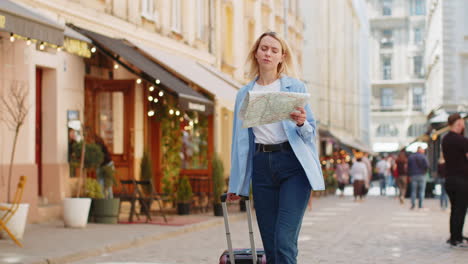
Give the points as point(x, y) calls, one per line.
point(13, 111)
point(218, 185)
point(76, 210)
point(146, 174)
point(105, 209)
point(184, 196)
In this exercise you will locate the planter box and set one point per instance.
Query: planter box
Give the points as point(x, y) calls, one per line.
point(17, 223)
point(76, 212)
point(106, 211)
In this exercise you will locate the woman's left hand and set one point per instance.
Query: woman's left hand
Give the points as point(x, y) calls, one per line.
point(299, 116)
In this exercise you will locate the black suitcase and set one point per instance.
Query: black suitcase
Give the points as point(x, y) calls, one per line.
point(250, 255)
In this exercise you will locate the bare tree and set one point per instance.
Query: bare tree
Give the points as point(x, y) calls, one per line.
point(13, 111)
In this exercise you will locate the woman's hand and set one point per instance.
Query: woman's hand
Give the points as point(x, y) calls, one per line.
point(231, 197)
point(299, 116)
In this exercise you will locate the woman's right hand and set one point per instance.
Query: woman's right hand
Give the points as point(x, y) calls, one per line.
point(231, 197)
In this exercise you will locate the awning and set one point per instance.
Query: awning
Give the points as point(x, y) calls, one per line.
point(19, 20)
point(189, 99)
point(224, 90)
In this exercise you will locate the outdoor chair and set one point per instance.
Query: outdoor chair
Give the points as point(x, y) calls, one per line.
point(11, 209)
point(133, 191)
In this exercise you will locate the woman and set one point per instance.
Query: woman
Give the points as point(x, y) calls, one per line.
point(401, 164)
point(342, 175)
point(359, 174)
point(280, 158)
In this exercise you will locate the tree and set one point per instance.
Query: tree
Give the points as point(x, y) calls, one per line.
point(13, 109)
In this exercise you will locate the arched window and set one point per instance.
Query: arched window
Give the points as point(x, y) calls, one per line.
point(387, 130)
point(416, 130)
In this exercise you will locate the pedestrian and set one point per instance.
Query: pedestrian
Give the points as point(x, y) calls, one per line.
point(280, 158)
point(455, 150)
point(368, 163)
point(401, 164)
point(107, 162)
point(417, 169)
point(342, 175)
point(383, 169)
point(359, 174)
point(441, 179)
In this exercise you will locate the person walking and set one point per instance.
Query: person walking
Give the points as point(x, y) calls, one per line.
point(280, 159)
point(455, 150)
point(342, 175)
point(359, 174)
point(368, 163)
point(417, 168)
point(441, 178)
point(383, 169)
point(401, 164)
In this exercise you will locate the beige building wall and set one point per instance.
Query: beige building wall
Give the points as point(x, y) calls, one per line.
point(332, 66)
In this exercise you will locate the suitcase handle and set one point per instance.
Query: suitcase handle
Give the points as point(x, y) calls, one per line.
point(224, 197)
point(228, 233)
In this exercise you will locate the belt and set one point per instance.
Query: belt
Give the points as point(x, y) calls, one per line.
point(273, 147)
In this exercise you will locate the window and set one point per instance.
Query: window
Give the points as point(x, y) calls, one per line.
point(386, 67)
point(387, 130)
point(176, 16)
point(387, 7)
point(147, 9)
point(416, 130)
point(418, 95)
point(201, 19)
point(418, 35)
point(418, 70)
point(387, 38)
point(194, 150)
point(386, 97)
point(419, 7)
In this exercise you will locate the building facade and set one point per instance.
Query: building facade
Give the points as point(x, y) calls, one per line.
point(336, 70)
point(446, 57)
point(130, 71)
point(398, 86)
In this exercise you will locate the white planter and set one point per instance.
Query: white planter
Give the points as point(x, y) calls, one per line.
point(17, 223)
point(76, 211)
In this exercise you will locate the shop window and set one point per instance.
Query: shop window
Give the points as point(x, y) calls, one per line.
point(194, 152)
point(111, 120)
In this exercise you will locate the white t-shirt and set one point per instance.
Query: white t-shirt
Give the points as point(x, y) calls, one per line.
point(270, 133)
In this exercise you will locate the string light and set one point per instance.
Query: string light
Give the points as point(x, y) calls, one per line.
point(171, 112)
point(116, 66)
point(161, 93)
point(157, 81)
point(12, 37)
point(151, 88)
point(138, 81)
point(93, 49)
point(150, 113)
point(191, 123)
point(28, 42)
point(177, 113)
point(42, 46)
point(59, 48)
point(150, 98)
point(155, 100)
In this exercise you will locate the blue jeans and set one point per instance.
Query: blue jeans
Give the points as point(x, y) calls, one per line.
point(281, 191)
point(418, 185)
point(383, 184)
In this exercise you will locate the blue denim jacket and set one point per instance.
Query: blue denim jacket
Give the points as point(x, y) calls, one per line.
point(302, 140)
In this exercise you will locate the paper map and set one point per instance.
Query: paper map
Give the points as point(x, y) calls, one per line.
point(260, 108)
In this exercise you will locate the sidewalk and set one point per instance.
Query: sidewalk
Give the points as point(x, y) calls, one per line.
point(53, 243)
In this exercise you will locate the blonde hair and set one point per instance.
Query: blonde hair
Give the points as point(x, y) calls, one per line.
point(287, 66)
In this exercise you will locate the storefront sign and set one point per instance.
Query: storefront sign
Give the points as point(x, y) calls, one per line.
point(77, 47)
point(2, 21)
point(197, 107)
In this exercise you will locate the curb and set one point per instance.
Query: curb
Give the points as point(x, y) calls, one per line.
point(136, 241)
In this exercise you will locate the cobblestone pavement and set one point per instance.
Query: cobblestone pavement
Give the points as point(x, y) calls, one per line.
point(336, 230)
